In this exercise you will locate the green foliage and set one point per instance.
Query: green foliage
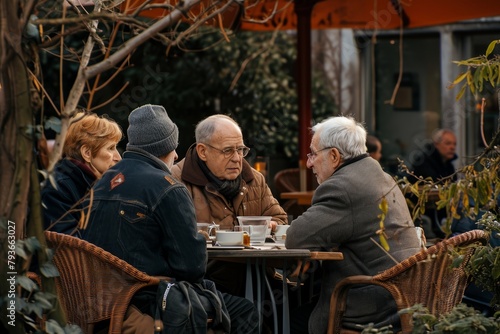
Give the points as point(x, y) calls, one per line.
point(473, 192)
point(250, 78)
point(460, 320)
point(484, 265)
point(33, 304)
point(480, 70)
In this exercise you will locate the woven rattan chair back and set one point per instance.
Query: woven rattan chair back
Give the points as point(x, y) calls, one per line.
point(425, 278)
point(287, 180)
point(94, 285)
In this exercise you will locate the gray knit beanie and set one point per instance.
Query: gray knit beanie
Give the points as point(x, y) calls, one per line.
point(150, 129)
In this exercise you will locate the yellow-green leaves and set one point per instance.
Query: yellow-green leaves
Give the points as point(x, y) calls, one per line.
point(480, 69)
point(384, 208)
point(491, 47)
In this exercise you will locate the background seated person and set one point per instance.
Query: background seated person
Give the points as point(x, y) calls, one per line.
point(344, 216)
point(374, 147)
point(89, 150)
point(435, 161)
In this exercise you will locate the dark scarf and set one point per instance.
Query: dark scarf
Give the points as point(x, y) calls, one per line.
point(84, 168)
point(228, 188)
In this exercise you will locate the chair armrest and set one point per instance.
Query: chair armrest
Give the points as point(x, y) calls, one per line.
point(338, 300)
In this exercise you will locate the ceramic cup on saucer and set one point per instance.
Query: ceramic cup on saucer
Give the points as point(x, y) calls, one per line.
point(280, 233)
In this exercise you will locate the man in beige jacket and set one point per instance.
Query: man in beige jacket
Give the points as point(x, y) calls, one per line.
point(224, 186)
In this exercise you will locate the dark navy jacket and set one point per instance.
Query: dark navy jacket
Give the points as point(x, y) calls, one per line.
point(73, 180)
point(141, 214)
point(428, 163)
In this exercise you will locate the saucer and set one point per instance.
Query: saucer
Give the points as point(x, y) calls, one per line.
point(234, 247)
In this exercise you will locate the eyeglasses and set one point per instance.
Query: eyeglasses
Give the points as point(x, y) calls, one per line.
point(313, 154)
point(229, 151)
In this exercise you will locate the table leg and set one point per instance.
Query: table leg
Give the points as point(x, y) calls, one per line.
point(249, 283)
point(286, 314)
point(258, 274)
point(273, 301)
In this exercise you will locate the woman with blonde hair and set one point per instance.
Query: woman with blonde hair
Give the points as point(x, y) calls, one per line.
point(89, 150)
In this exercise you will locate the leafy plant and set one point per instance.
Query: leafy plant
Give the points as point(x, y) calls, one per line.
point(484, 265)
point(475, 198)
point(462, 319)
point(480, 69)
point(32, 304)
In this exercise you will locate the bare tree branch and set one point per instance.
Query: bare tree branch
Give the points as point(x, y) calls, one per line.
point(136, 41)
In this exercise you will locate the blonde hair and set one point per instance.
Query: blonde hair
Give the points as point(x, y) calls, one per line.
point(91, 130)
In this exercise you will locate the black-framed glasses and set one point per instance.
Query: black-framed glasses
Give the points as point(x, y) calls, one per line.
point(229, 151)
point(311, 155)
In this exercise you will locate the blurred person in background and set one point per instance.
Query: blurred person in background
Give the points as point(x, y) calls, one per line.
point(435, 161)
point(374, 147)
point(436, 158)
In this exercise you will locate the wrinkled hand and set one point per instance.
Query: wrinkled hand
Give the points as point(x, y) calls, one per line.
point(205, 234)
point(273, 225)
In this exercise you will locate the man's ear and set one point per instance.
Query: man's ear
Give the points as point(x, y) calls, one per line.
point(336, 157)
point(202, 151)
point(86, 153)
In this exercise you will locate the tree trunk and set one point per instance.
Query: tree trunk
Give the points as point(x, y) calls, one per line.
point(16, 149)
point(16, 156)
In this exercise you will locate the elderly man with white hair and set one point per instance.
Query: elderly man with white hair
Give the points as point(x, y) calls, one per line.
point(344, 216)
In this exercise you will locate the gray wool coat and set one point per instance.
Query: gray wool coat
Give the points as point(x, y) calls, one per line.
point(344, 216)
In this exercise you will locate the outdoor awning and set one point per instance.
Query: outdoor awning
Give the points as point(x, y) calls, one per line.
point(367, 14)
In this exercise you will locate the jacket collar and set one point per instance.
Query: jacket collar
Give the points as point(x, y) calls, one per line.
point(192, 173)
point(352, 160)
point(83, 167)
point(436, 156)
point(76, 170)
point(142, 155)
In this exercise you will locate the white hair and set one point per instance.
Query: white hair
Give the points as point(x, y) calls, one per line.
point(343, 133)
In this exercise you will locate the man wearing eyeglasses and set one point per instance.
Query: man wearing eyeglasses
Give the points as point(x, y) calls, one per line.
point(345, 215)
point(222, 184)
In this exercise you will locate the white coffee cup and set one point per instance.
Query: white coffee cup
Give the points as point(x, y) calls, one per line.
point(229, 238)
point(280, 231)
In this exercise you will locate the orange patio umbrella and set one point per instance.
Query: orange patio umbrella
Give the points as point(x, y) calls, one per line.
point(364, 14)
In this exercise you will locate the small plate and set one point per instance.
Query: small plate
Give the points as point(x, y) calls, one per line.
point(235, 247)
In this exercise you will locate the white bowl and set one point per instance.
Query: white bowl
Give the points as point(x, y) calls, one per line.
point(229, 238)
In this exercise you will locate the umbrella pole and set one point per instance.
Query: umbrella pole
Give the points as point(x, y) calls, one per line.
point(303, 10)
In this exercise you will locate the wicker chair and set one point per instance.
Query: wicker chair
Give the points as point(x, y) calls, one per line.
point(424, 278)
point(94, 285)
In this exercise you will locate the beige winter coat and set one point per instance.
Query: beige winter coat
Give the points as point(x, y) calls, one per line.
point(255, 197)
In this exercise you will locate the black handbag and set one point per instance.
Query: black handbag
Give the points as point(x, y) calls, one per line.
point(184, 307)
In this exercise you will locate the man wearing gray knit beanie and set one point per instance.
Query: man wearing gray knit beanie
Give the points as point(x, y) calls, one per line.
point(151, 130)
point(144, 216)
